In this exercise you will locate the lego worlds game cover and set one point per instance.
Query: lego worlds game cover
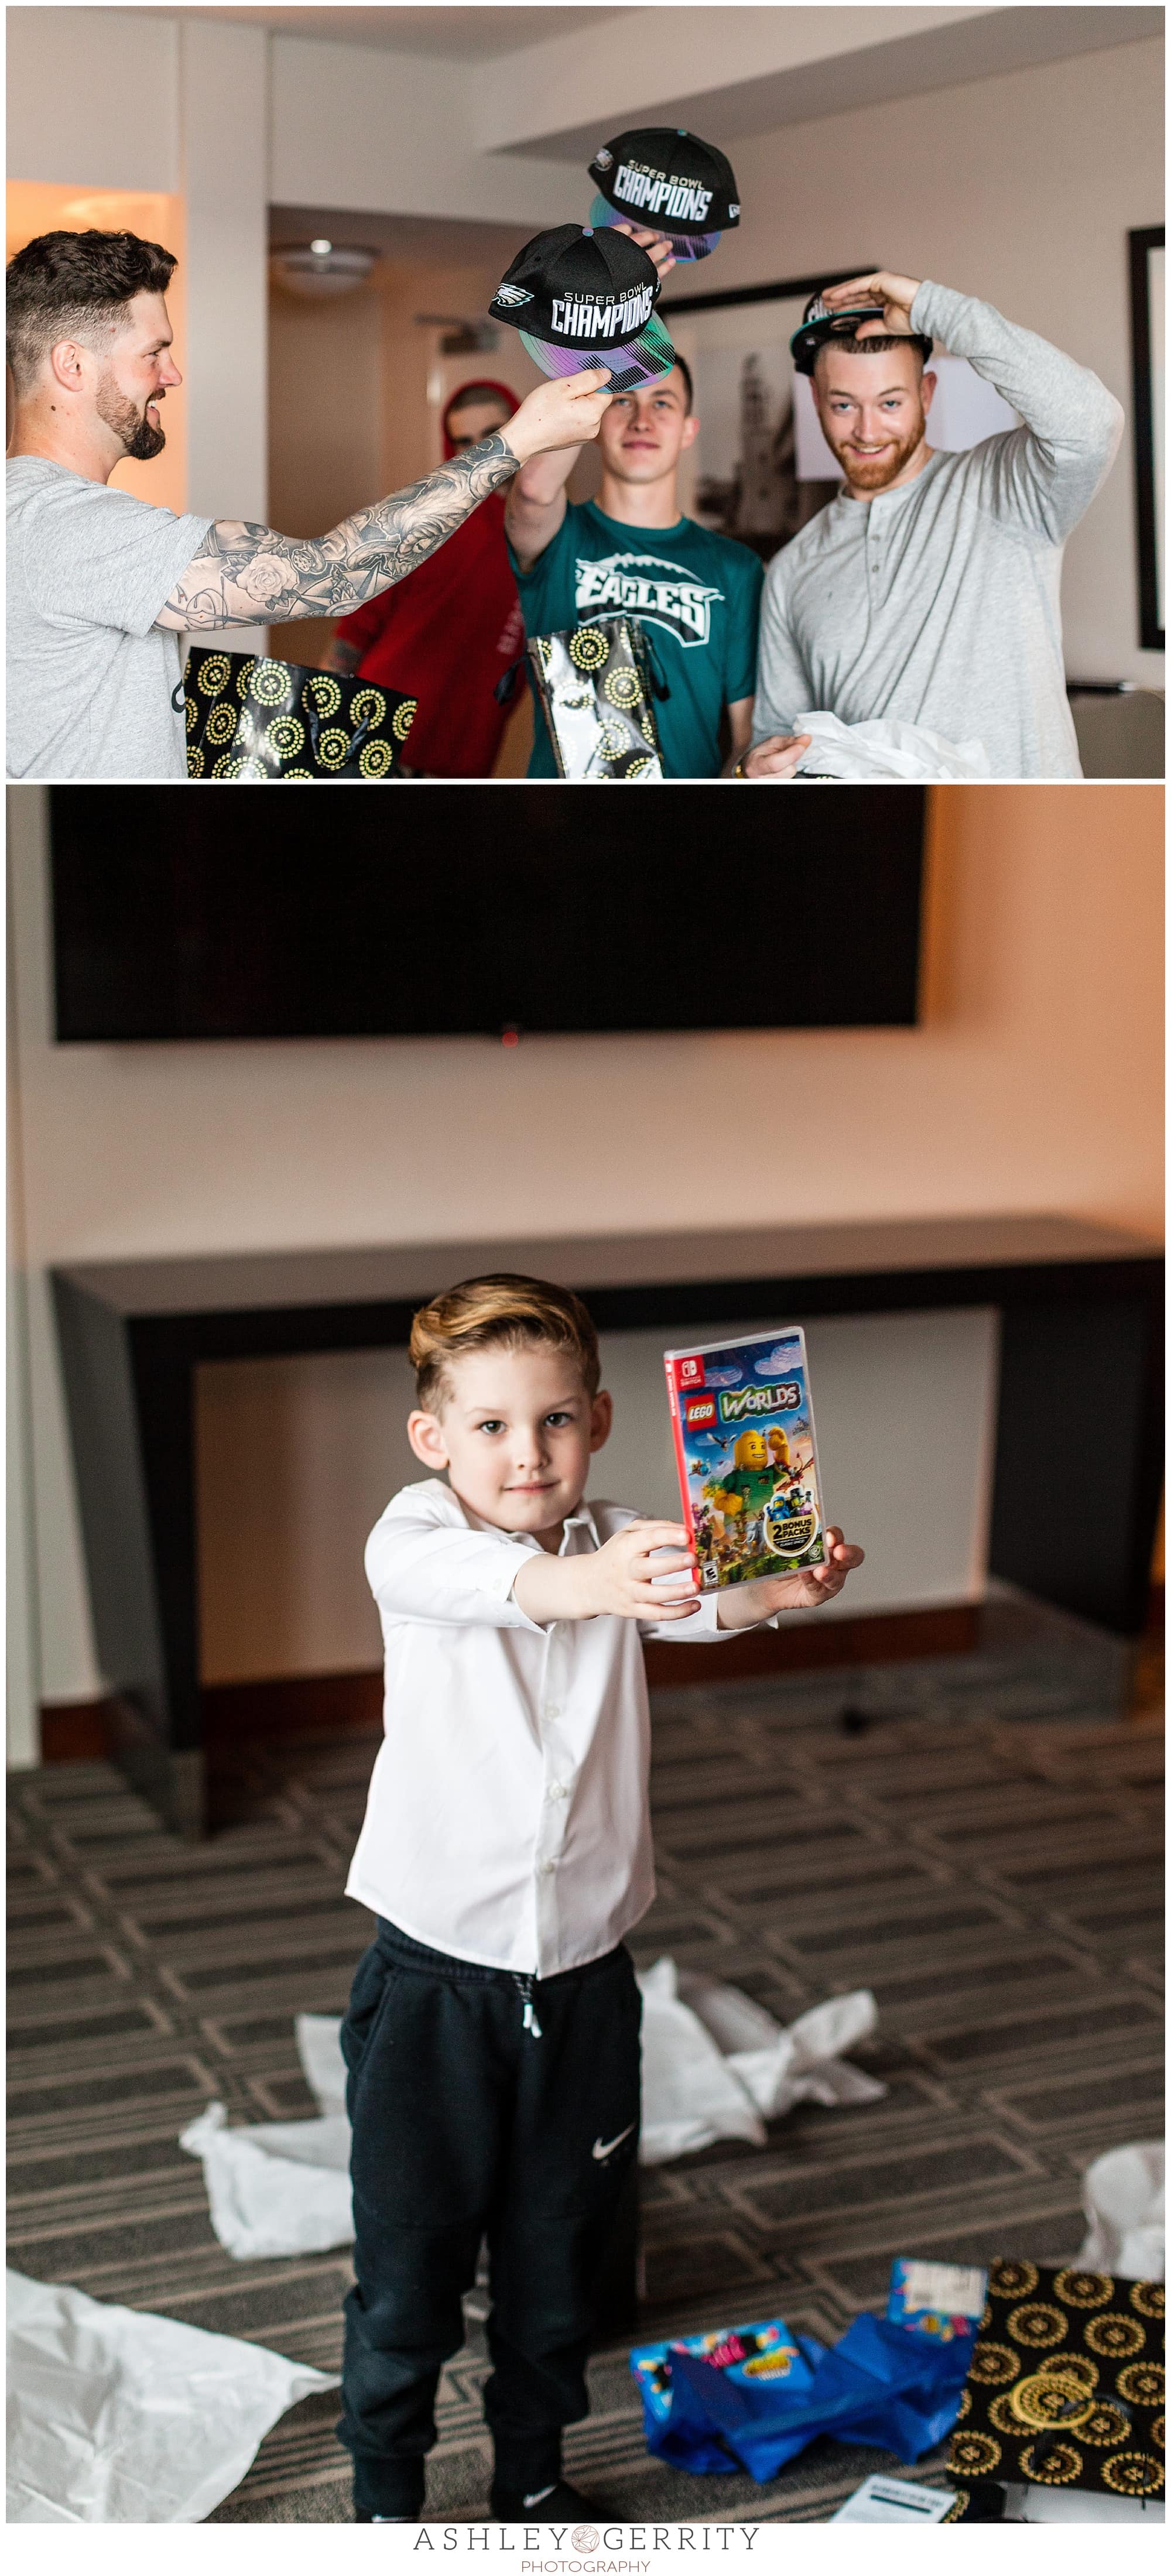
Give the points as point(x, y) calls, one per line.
point(747, 1457)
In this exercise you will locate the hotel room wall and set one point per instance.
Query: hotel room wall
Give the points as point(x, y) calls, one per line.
point(1033, 1082)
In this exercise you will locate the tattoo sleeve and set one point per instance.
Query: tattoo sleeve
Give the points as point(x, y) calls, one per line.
point(248, 575)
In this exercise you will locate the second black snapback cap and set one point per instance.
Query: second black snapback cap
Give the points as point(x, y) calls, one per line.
point(670, 181)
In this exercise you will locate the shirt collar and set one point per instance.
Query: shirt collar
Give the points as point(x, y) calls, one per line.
point(582, 1518)
point(887, 502)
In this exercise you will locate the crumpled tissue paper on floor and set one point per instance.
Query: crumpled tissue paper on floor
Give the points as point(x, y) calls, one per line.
point(283, 2187)
point(1122, 2195)
point(117, 2416)
point(885, 748)
point(716, 2065)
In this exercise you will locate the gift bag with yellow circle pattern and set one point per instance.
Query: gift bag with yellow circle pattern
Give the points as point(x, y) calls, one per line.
point(1065, 2386)
point(255, 721)
point(595, 686)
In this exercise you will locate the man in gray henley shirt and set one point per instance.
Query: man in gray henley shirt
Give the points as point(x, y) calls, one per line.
point(929, 589)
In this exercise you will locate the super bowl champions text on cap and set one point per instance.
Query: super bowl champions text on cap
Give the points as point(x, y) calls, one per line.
point(578, 318)
point(636, 184)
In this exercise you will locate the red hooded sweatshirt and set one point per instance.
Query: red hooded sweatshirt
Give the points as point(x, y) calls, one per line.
point(447, 633)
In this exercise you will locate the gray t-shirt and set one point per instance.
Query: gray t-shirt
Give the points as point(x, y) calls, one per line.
point(939, 602)
point(90, 675)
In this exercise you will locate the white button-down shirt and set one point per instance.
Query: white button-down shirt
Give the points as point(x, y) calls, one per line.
point(508, 1819)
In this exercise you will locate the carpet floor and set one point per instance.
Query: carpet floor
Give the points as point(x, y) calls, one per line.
point(976, 1839)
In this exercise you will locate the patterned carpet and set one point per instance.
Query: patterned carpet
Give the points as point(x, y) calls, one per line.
point(975, 1838)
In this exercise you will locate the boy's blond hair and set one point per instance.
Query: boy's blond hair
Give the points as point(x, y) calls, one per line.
point(504, 1310)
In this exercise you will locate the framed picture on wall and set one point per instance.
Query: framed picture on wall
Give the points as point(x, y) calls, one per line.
point(1147, 255)
point(744, 477)
point(761, 468)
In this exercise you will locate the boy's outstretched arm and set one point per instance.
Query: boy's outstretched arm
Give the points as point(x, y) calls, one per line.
point(616, 1578)
point(619, 1579)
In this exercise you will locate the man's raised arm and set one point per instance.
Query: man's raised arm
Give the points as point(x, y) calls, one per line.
point(535, 506)
point(1047, 473)
point(246, 573)
point(536, 503)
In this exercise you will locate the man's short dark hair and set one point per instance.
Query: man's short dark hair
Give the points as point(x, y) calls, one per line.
point(685, 372)
point(477, 393)
point(874, 343)
point(76, 286)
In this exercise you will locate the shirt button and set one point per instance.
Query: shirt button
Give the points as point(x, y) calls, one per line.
point(552, 1708)
point(547, 1868)
point(557, 1789)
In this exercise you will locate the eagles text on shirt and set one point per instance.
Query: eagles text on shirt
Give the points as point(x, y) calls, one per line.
point(653, 588)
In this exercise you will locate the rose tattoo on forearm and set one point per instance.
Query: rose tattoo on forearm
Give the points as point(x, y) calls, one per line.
point(247, 575)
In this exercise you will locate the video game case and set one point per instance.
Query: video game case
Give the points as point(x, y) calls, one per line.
point(746, 1451)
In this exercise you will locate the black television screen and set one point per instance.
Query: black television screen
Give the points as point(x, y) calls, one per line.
point(454, 910)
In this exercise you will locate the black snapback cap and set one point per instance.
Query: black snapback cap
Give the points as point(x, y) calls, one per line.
point(581, 298)
point(670, 181)
point(820, 324)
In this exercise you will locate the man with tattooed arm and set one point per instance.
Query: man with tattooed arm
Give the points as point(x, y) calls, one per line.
point(102, 587)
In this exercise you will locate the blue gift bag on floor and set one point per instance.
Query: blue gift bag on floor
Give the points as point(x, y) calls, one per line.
point(882, 2384)
point(764, 2355)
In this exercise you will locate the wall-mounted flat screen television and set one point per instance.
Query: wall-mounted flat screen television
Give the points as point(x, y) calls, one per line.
point(452, 910)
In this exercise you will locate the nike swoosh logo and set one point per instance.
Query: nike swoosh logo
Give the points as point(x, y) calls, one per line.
point(603, 2148)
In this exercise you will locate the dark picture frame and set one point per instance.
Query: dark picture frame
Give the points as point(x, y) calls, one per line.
point(781, 287)
point(1141, 244)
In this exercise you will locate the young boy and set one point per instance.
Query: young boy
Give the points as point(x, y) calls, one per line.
point(492, 2033)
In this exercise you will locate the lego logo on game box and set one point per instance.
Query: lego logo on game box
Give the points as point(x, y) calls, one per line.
point(701, 1408)
point(690, 1372)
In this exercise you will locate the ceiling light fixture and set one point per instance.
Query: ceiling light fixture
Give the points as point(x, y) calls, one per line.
point(320, 268)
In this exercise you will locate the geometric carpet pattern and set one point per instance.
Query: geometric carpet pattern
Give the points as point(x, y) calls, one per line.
point(976, 1839)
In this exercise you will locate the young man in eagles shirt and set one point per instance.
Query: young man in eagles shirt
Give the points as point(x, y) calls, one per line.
point(697, 595)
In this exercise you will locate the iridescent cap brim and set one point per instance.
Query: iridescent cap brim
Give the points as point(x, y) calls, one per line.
point(684, 245)
point(635, 362)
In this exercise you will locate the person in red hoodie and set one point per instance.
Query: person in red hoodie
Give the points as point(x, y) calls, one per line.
point(448, 632)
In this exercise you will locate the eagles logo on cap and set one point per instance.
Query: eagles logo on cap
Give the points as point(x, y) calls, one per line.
point(669, 180)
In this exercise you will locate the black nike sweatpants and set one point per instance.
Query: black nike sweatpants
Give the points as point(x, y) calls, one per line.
point(474, 2118)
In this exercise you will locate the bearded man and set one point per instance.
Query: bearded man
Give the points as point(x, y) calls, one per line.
point(929, 589)
point(103, 587)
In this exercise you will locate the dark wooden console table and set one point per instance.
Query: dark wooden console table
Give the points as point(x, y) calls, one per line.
point(1079, 1446)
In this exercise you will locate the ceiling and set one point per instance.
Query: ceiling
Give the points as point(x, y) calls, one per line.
point(449, 241)
point(978, 45)
point(457, 35)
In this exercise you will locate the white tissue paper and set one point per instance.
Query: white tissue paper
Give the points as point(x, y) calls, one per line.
point(283, 2187)
point(117, 2416)
point(716, 2065)
point(885, 749)
point(1122, 2196)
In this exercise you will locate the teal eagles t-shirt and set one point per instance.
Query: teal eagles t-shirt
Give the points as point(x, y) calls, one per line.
point(698, 598)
